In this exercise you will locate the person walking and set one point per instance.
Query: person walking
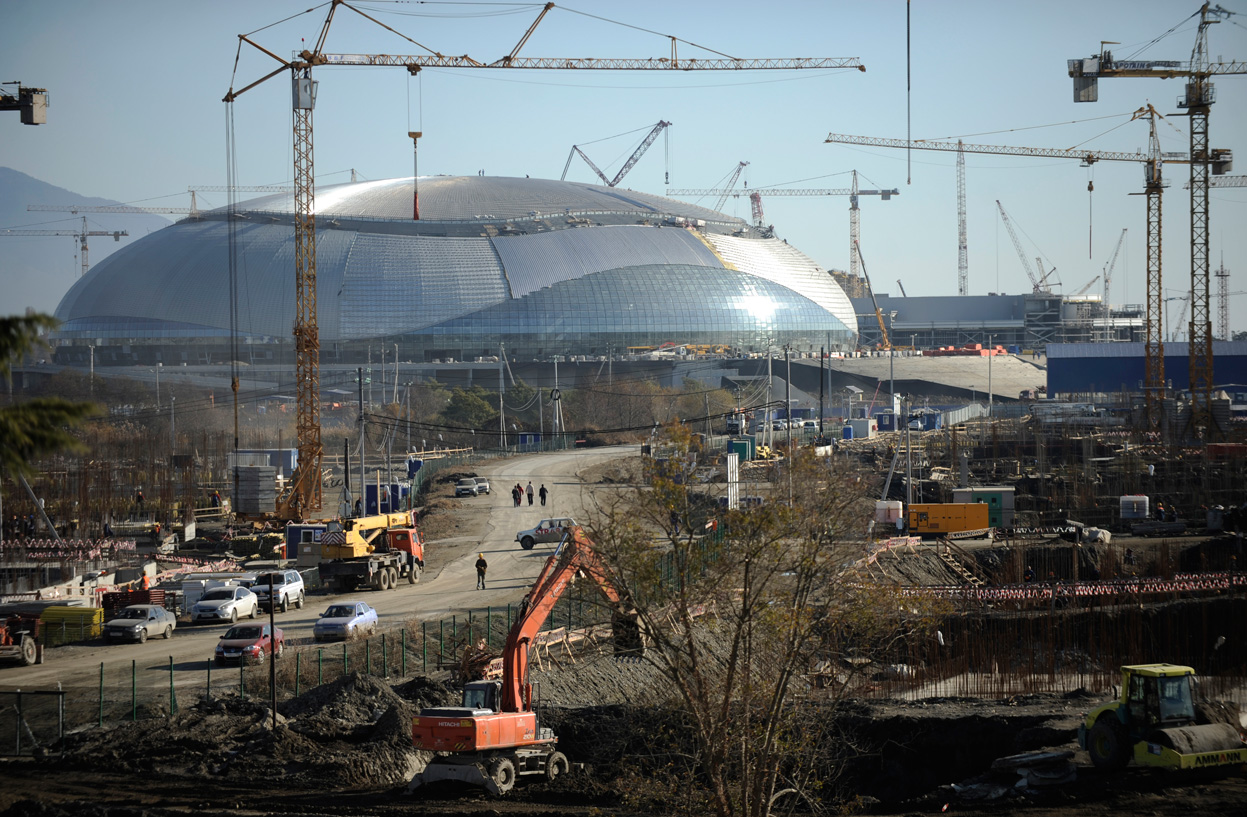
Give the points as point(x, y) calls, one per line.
point(481, 567)
point(543, 493)
point(515, 495)
point(530, 493)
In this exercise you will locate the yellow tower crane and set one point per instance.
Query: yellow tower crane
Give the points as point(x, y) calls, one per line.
point(1197, 101)
point(302, 495)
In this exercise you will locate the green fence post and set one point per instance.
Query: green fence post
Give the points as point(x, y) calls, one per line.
point(134, 690)
point(385, 667)
point(242, 678)
point(469, 639)
point(489, 624)
point(441, 641)
point(101, 718)
point(320, 666)
point(368, 656)
point(424, 647)
point(297, 656)
point(454, 632)
point(345, 659)
point(508, 617)
point(173, 697)
point(18, 730)
point(64, 637)
point(402, 638)
point(209, 679)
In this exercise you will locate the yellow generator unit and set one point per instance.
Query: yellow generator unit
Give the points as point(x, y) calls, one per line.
point(941, 519)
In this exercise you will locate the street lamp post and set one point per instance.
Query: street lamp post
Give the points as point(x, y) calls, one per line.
point(891, 361)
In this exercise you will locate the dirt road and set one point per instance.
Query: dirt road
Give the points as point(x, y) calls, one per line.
point(448, 587)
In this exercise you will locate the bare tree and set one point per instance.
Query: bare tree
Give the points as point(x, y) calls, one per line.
point(738, 607)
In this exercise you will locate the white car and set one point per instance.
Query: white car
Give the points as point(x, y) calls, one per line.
point(287, 586)
point(225, 604)
point(547, 530)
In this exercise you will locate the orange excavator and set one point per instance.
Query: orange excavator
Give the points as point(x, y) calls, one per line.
point(496, 736)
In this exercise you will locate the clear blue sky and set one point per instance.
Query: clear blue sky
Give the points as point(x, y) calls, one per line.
point(136, 115)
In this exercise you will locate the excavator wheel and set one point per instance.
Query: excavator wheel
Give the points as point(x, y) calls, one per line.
point(556, 766)
point(1108, 744)
point(502, 771)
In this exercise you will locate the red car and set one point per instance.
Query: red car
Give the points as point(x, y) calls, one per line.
point(249, 642)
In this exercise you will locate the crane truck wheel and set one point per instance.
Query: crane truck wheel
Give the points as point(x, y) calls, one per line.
point(413, 574)
point(383, 579)
point(502, 772)
point(527, 542)
point(393, 571)
point(1108, 745)
point(28, 650)
point(556, 766)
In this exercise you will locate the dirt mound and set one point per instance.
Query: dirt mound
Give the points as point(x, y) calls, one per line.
point(352, 699)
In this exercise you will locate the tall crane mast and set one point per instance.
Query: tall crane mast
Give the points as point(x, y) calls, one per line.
point(883, 330)
point(1197, 101)
point(963, 247)
point(1153, 185)
point(81, 235)
point(628, 165)
point(1223, 301)
point(1037, 284)
point(303, 493)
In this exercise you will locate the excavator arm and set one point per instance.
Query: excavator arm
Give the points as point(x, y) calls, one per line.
point(574, 555)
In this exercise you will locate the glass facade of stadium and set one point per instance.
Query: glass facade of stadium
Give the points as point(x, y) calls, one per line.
point(540, 268)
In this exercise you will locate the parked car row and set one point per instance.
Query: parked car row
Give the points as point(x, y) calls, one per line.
point(242, 643)
point(472, 486)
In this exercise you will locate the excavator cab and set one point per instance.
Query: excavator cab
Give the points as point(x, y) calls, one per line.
point(482, 695)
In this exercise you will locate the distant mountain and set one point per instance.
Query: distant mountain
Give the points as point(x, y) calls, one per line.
point(36, 271)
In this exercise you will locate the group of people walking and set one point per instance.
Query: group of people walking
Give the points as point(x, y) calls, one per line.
point(519, 492)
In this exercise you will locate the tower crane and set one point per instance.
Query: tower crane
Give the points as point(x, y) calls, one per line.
point(1223, 301)
point(1153, 185)
point(32, 103)
point(81, 235)
point(302, 495)
point(1038, 284)
point(756, 194)
point(117, 209)
point(1197, 101)
point(628, 165)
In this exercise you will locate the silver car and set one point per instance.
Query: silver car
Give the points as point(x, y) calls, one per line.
point(225, 604)
point(345, 619)
point(138, 622)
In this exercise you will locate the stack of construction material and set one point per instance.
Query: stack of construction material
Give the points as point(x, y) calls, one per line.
point(116, 601)
point(257, 489)
point(63, 624)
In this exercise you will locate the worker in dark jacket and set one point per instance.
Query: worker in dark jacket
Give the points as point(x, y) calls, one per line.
point(481, 567)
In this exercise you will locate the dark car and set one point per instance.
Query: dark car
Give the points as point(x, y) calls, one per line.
point(244, 643)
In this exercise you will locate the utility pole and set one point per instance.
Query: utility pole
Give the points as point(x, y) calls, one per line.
point(502, 388)
point(822, 358)
point(361, 433)
point(991, 353)
point(770, 433)
point(788, 408)
point(172, 430)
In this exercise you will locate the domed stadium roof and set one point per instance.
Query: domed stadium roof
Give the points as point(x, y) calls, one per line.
point(546, 267)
